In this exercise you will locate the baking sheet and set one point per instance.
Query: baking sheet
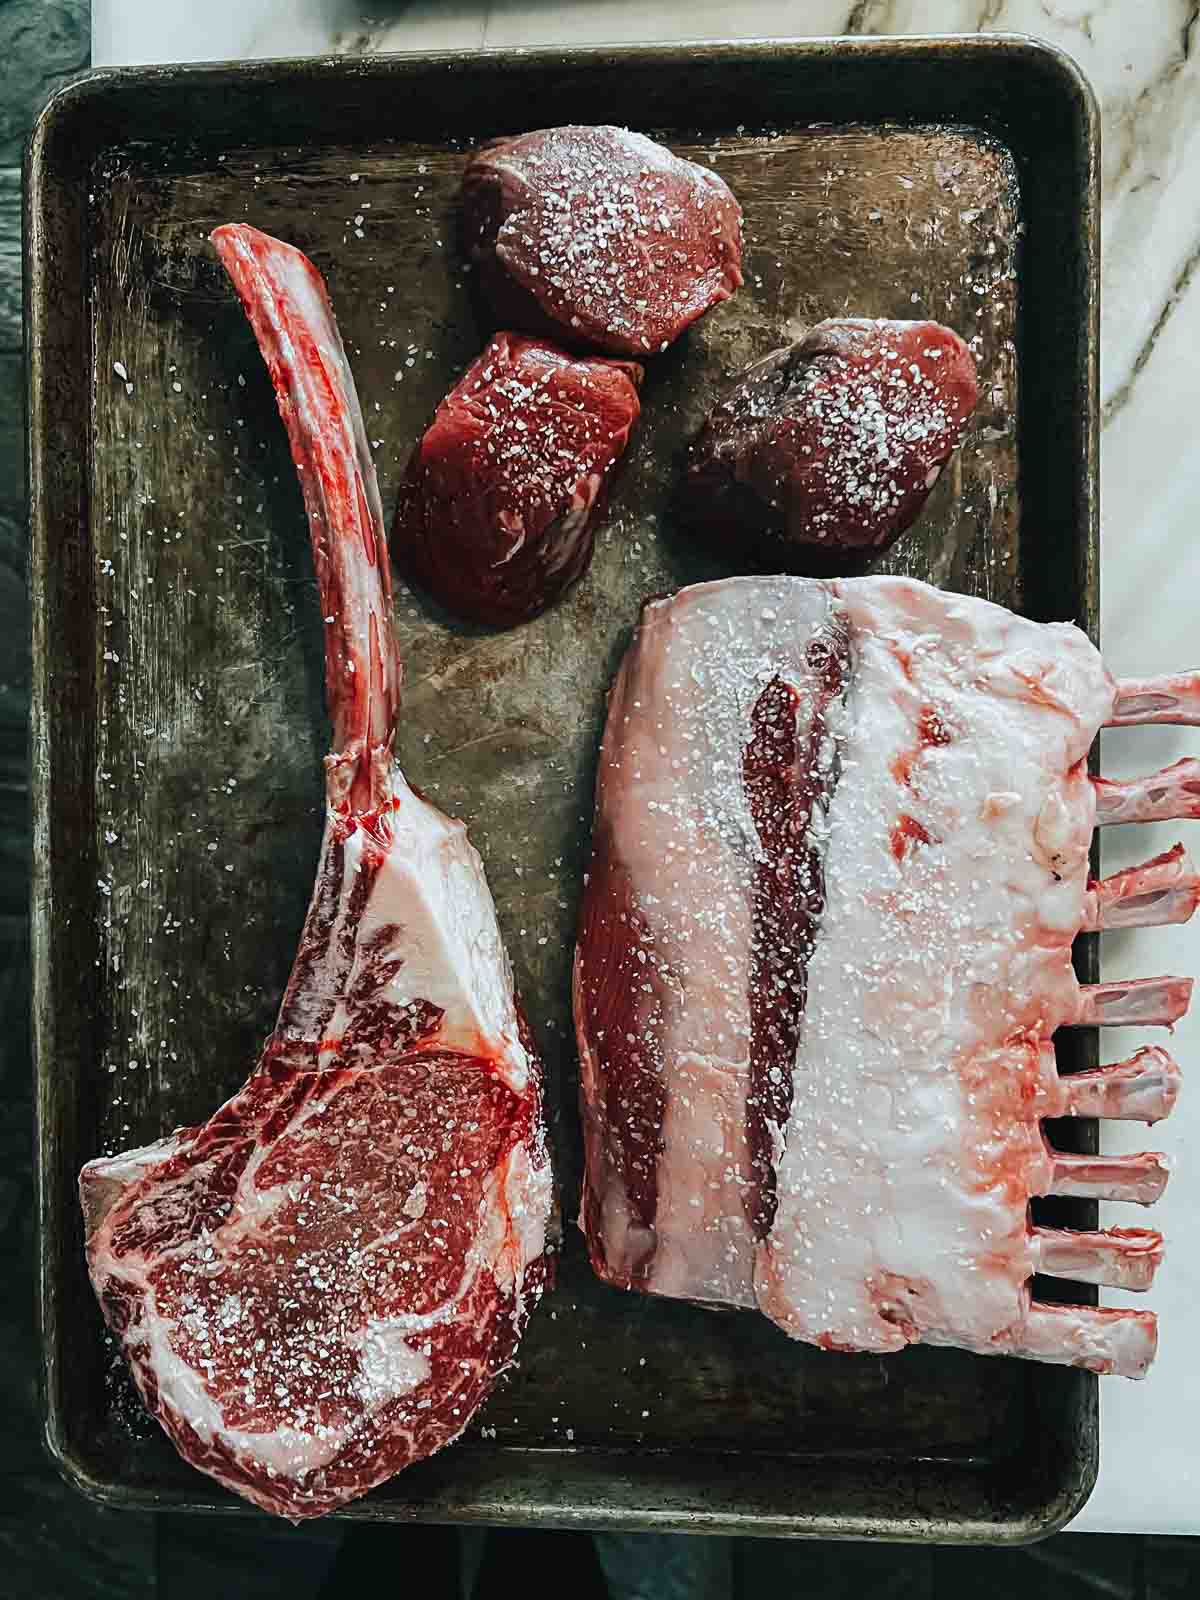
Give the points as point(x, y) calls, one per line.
point(180, 723)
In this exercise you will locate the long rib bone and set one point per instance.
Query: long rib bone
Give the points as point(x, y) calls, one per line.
point(1120, 1258)
point(281, 291)
point(1142, 1088)
point(1173, 697)
point(1167, 796)
point(1166, 889)
point(1140, 1178)
point(1100, 1338)
point(1138, 1002)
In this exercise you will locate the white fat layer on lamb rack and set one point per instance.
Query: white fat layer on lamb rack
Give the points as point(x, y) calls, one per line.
point(673, 797)
point(944, 946)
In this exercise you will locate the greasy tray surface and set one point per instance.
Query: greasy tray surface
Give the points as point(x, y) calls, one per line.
point(180, 723)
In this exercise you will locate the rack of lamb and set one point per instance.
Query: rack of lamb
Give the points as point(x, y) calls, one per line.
point(840, 858)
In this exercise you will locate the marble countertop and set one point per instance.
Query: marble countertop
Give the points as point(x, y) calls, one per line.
point(1144, 63)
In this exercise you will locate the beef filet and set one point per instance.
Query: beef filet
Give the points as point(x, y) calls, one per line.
point(822, 454)
point(599, 237)
point(498, 507)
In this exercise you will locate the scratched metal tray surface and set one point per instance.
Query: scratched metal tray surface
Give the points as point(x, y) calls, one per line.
point(179, 723)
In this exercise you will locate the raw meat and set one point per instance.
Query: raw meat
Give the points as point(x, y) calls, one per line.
point(822, 454)
point(599, 237)
point(318, 1286)
point(840, 857)
point(498, 508)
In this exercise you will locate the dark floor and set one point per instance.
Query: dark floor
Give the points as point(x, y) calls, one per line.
point(55, 1545)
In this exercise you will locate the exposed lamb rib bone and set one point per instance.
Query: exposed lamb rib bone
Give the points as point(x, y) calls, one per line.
point(1163, 890)
point(318, 1286)
point(1140, 1178)
point(1167, 796)
point(1119, 1258)
point(1142, 1088)
point(1173, 698)
point(1137, 1002)
point(1101, 1338)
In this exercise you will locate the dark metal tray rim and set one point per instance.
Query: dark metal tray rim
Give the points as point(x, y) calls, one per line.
point(921, 1524)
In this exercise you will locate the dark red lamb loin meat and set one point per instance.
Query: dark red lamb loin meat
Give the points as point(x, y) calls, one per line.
point(822, 454)
point(497, 511)
point(599, 236)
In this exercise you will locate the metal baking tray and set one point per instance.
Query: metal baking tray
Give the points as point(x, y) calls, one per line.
point(178, 718)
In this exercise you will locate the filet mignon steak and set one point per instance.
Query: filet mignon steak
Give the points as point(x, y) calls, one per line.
point(599, 237)
point(822, 454)
point(497, 511)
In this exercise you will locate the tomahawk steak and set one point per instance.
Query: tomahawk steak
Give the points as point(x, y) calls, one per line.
point(318, 1286)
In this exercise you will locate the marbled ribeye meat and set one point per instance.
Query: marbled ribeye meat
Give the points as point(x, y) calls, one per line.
point(599, 237)
point(840, 857)
point(318, 1286)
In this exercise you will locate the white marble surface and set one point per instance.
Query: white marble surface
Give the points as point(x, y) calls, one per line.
point(1143, 57)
